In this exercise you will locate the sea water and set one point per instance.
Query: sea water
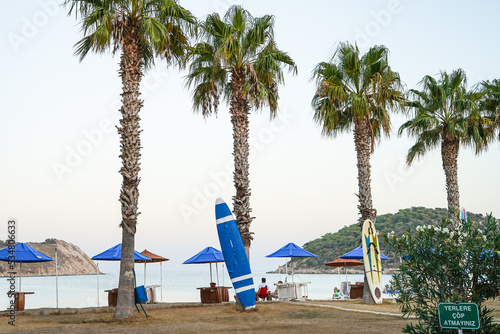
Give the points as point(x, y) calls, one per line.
point(175, 286)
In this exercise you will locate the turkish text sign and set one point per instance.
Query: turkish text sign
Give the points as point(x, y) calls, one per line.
point(458, 316)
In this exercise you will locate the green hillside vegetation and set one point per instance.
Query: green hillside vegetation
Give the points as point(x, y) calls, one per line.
point(332, 245)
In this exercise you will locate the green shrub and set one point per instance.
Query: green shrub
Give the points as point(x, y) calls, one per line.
point(441, 265)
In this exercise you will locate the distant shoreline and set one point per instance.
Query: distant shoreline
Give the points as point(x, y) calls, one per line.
point(26, 276)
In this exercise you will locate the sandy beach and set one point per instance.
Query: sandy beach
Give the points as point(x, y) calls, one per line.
point(270, 317)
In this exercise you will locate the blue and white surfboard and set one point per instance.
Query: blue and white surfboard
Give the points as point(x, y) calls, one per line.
point(234, 255)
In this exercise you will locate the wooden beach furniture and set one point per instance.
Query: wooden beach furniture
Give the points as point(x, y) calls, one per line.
point(19, 299)
point(215, 294)
point(112, 297)
point(357, 290)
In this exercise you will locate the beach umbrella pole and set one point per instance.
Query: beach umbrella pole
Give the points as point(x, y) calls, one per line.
point(57, 287)
point(144, 274)
point(346, 280)
point(210, 272)
point(217, 272)
point(20, 266)
point(161, 282)
point(338, 276)
point(97, 274)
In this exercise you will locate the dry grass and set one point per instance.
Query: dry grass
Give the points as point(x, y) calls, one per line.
point(268, 318)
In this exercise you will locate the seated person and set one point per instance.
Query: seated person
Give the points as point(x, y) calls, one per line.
point(263, 291)
point(275, 293)
point(336, 293)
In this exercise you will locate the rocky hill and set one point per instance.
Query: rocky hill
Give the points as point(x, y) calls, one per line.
point(70, 260)
point(332, 245)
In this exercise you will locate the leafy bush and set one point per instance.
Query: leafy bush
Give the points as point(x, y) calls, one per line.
point(441, 265)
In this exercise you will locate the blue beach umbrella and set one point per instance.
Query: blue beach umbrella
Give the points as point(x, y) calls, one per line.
point(357, 254)
point(291, 250)
point(23, 253)
point(208, 255)
point(115, 254)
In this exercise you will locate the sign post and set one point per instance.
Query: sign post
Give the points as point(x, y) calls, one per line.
point(458, 316)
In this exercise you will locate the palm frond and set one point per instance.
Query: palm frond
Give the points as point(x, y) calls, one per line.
point(445, 108)
point(155, 36)
point(358, 87)
point(239, 43)
point(206, 98)
point(163, 27)
point(428, 140)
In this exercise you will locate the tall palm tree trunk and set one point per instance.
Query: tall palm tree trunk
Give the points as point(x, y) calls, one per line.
point(449, 155)
point(362, 142)
point(363, 145)
point(131, 65)
point(239, 111)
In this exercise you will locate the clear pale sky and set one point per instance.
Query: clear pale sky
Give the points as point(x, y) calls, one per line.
point(60, 147)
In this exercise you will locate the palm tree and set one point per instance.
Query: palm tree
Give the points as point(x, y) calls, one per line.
point(446, 114)
point(491, 103)
point(356, 93)
point(239, 60)
point(140, 30)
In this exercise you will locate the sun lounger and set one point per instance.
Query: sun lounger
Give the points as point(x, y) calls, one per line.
point(339, 295)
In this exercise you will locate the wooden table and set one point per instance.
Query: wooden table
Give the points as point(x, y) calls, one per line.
point(112, 297)
point(357, 291)
point(216, 294)
point(19, 299)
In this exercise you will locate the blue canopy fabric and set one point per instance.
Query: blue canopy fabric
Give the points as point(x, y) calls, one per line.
point(291, 250)
point(207, 255)
point(357, 253)
point(115, 254)
point(23, 253)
